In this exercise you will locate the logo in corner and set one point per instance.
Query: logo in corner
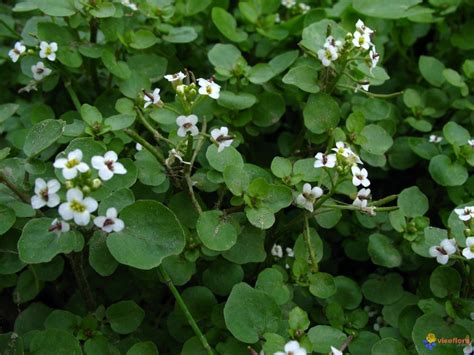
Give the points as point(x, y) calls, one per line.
point(430, 341)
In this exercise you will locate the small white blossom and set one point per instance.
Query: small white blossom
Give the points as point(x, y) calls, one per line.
point(442, 252)
point(435, 139)
point(342, 149)
point(59, 226)
point(129, 4)
point(363, 87)
point(107, 165)
point(361, 40)
point(468, 251)
point(471, 142)
point(175, 77)
point(48, 50)
point(290, 252)
point(304, 8)
point(363, 196)
point(465, 213)
point(332, 42)
point(40, 71)
point(277, 251)
point(222, 138)
point(376, 327)
point(288, 3)
point(469, 349)
point(309, 196)
point(209, 88)
point(138, 147)
point(109, 223)
point(187, 124)
point(362, 28)
point(72, 164)
point(153, 98)
point(45, 194)
point(292, 348)
point(172, 155)
point(327, 55)
point(17, 50)
point(359, 176)
point(335, 351)
point(325, 160)
point(374, 58)
point(77, 207)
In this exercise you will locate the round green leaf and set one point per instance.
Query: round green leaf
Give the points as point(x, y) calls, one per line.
point(54, 341)
point(304, 77)
point(236, 101)
point(227, 25)
point(432, 70)
point(221, 276)
point(9, 261)
point(322, 285)
point(385, 289)
point(323, 337)
point(125, 316)
point(456, 134)
point(220, 160)
point(447, 173)
point(216, 231)
point(249, 247)
point(412, 202)
point(7, 219)
point(377, 140)
point(143, 348)
point(347, 293)
point(271, 281)
point(321, 113)
point(383, 9)
point(42, 135)
point(445, 281)
point(389, 346)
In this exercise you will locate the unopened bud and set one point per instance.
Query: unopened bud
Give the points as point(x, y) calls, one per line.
point(96, 183)
point(86, 190)
point(69, 184)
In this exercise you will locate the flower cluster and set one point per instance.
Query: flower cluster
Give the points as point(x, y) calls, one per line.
point(308, 197)
point(277, 251)
point(435, 139)
point(296, 8)
point(79, 207)
point(448, 247)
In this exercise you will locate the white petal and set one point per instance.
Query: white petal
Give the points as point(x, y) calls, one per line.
point(194, 131)
point(111, 212)
point(69, 173)
point(43, 45)
point(53, 46)
point(37, 202)
point(40, 185)
point(74, 194)
point(97, 162)
point(53, 186)
point(181, 120)
point(335, 351)
point(292, 346)
point(470, 241)
point(118, 225)
point(106, 174)
point(82, 218)
point(60, 163)
point(442, 259)
point(65, 211)
point(119, 169)
point(75, 155)
point(90, 203)
point(53, 200)
point(215, 133)
point(181, 132)
point(433, 251)
point(111, 155)
point(193, 119)
point(467, 253)
point(99, 221)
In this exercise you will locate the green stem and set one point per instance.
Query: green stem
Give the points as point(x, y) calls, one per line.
point(73, 96)
point(307, 238)
point(185, 310)
point(356, 208)
point(171, 108)
point(77, 265)
point(371, 94)
point(11, 30)
point(24, 197)
point(384, 200)
point(156, 135)
point(137, 138)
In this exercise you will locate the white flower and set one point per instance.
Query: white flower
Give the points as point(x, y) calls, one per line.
point(468, 350)
point(174, 77)
point(129, 4)
point(109, 223)
point(435, 139)
point(332, 42)
point(342, 149)
point(77, 207)
point(362, 198)
point(466, 213)
point(222, 138)
point(187, 124)
point(335, 351)
point(304, 8)
point(468, 251)
point(292, 348)
point(108, 165)
point(327, 55)
point(309, 196)
point(288, 3)
point(45, 193)
point(362, 28)
point(361, 40)
point(59, 226)
point(48, 50)
point(374, 58)
point(290, 252)
point(72, 164)
point(471, 142)
point(153, 98)
point(209, 88)
point(325, 160)
point(17, 50)
point(174, 154)
point(364, 87)
point(277, 251)
point(138, 147)
point(443, 251)
point(40, 71)
point(359, 176)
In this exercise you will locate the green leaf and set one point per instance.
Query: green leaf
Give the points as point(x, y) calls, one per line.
point(445, 281)
point(91, 115)
point(103, 10)
point(432, 70)
point(383, 252)
point(323, 337)
point(314, 35)
point(119, 122)
point(152, 232)
point(227, 25)
point(238, 101)
point(383, 9)
point(377, 140)
point(38, 245)
point(260, 73)
point(42, 135)
point(56, 7)
point(298, 319)
point(389, 346)
point(412, 202)
point(269, 109)
point(125, 316)
point(281, 167)
point(7, 219)
point(261, 217)
point(143, 39)
point(221, 276)
point(271, 282)
point(447, 173)
point(100, 258)
point(7, 111)
point(456, 134)
point(216, 231)
point(249, 247)
point(304, 77)
point(384, 290)
point(150, 171)
point(143, 348)
point(250, 313)
point(54, 341)
point(347, 294)
point(185, 34)
point(236, 179)
point(321, 113)
point(224, 57)
point(322, 285)
point(192, 7)
point(9, 261)
point(220, 160)
point(59, 319)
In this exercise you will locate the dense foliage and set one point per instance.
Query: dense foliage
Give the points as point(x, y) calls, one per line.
point(236, 177)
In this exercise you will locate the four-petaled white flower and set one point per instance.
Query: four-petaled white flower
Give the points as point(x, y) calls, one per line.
point(327, 55)
point(17, 50)
point(59, 226)
point(363, 197)
point(45, 194)
point(187, 124)
point(107, 165)
point(48, 50)
point(72, 164)
point(362, 28)
point(342, 149)
point(77, 207)
point(130, 5)
point(288, 3)
point(359, 176)
point(304, 8)
point(361, 40)
point(290, 252)
point(277, 251)
point(335, 351)
point(442, 252)
point(309, 195)
point(292, 348)
point(175, 77)
point(109, 223)
point(468, 251)
point(325, 160)
point(465, 213)
point(222, 138)
point(374, 58)
point(435, 139)
point(40, 71)
point(332, 42)
point(471, 142)
point(153, 98)
point(209, 88)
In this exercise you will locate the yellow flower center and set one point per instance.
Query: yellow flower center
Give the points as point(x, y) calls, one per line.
point(76, 206)
point(209, 89)
point(72, 163)
point(48, 51)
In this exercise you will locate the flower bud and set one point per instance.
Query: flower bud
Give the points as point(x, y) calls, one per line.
point(467, 232)
point(96, 183)
point(86, 190)
point(69, 184)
